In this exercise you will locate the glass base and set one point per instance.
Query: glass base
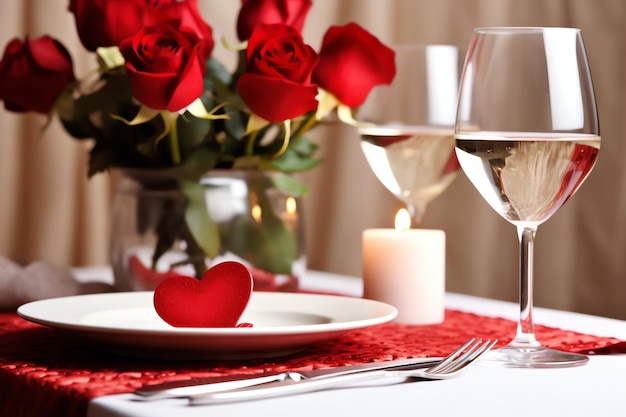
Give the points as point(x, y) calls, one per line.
point(517, 355)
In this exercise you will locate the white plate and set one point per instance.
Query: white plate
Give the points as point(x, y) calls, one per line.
point(283, 323)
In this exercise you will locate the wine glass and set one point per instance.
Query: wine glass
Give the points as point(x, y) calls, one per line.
point(407, 128)
point(527, 136)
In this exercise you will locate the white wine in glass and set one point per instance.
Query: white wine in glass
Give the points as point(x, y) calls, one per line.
point(407, 128)
point(527, 136)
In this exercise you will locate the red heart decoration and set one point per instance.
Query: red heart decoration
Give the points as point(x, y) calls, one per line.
point(217, 300)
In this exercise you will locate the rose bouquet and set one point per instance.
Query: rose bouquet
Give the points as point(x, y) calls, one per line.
point(159, 100)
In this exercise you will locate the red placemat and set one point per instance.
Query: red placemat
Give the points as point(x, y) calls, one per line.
point(48, 372)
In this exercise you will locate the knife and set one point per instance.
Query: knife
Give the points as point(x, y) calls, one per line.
point(197, 386)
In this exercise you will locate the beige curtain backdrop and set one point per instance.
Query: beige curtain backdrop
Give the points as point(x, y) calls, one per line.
point(49, 210)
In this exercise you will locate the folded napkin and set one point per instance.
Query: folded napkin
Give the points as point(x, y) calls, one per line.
point(37, 281)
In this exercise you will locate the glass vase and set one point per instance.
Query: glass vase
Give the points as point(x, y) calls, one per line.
point(163, 225)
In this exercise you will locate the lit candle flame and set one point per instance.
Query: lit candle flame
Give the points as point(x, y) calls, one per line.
point(403, 220)
point(256, 213)
point(290, 206)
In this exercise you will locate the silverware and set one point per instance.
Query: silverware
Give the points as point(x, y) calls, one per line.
point(454, 363)
point(197, 386)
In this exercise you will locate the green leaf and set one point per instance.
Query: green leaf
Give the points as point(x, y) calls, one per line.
point(292, 163)
point(303, 146)
point(77, 129)
point(289, 185)
point(270, 243)
point(169, 221)
point(195, 165)
point(202, 227)
point(107, 98)
point(99, 160)
point(215, 71)
point(230, 148)
point(297, 157)
point(147, 147)
point(235, 126)
point(192, 132)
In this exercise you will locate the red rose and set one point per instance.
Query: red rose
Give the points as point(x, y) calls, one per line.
point(277, 82)
point(108, 22)
point(186, 11)
point(256, 12)
point(352, 62)
point(166, 66)
point(34, 73)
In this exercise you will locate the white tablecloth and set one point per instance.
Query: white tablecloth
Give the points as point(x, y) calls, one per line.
point(596, 389)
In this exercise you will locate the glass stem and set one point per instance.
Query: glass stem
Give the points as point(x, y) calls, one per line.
point(525, 330)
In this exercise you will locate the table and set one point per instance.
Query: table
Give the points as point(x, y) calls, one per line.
point(594, 389)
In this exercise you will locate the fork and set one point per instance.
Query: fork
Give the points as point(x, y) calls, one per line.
point(449, 367)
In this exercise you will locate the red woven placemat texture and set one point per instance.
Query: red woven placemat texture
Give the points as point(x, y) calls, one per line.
point(48, 372)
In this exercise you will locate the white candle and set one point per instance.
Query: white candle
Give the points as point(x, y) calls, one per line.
point(406, 268)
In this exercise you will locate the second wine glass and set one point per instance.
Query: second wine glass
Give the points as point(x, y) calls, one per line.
point(407, 128)
point(527, 136)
